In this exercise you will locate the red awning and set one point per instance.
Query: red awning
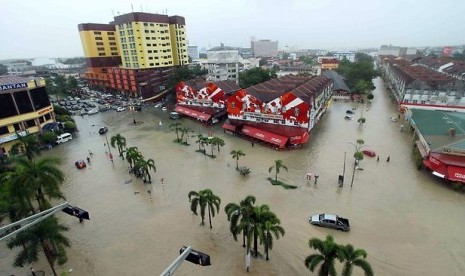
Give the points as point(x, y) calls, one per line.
point(193, 113)
point(455, 173)
point(265, 136)
point(439, 171)
point(229, 127)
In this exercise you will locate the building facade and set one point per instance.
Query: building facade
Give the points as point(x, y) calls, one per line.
point(148, 46)
point(281, 111)
point(204, 100)
point(24, 109)
point(264, 48)
point(414, 85)
point(223, 64)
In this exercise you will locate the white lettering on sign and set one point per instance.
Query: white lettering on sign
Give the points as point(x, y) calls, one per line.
point(13, 86)
point(459, 175)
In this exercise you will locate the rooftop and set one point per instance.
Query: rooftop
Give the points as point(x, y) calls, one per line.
point(13, 79)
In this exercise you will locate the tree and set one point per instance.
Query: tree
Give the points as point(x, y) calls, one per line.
point(236, 154)
point(278, 165)
point(237, 213)
point(177, 127)
point(37, 180)
point(119, 141)
point(204, 199)
point(70, 126)
point(370, 96)
point(254, 76)
point(3, 69)
point(185, 133)
point(143, 167)
point(46, 235)
point(329, 252)
point(219, 142)
point(361, 121)
point(202, 141)
point(271, 227)
point(48, 137)
point(354, 257)
point(60, 110)
point(28, 143)
point(358, 74)
point(358, 156)
point(72, 83)
point(132, 155)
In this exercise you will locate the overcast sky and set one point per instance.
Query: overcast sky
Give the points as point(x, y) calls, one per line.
point(48, 28)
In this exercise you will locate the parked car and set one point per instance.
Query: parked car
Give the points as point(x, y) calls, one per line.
point(159, 105)
point(102, 130)
point(174, 115)
point(80, 164)
point(92, 111)
point(119, 109)
point(330, 221)
point(164, 108)
point(369, 153)
point(350, 112)
point(65, 137)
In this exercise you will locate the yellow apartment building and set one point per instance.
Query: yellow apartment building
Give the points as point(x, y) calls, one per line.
point(24, 109)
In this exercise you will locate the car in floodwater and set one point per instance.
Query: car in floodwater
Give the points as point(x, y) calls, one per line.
point(330, 221)
point(80, 164)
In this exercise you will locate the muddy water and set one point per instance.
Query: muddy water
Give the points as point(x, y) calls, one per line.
point(407, 221)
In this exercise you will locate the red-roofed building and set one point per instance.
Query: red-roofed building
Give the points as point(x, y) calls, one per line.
point(279, 111)
point(329, 63)
point(202, 100)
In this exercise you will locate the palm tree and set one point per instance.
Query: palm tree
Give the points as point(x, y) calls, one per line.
point(48, 235)
point(213, 142)
point(132, 155)
point(278, 164)
point(147, 166)
point(361, 121)
point(255, 225)
point(37, 179)
point(354, 257)
point(236, 154)
point(204, 199)
point(185, 132)
point(237, 213)
point(219, 142)
point(120, 142)
point(29, 143)
point(202, 141)
point(177, 127)
point(329, 252)
point(271, 227)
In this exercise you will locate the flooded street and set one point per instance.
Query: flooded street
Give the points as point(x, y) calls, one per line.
point(407, 221)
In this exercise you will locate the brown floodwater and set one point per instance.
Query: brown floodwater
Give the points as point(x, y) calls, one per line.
point(408, 221)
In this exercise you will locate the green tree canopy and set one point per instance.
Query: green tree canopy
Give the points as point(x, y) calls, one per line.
point(358, 74)
point(3, 69)
point(255, 76)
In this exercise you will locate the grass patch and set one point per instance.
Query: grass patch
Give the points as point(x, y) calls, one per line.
point(280, 183)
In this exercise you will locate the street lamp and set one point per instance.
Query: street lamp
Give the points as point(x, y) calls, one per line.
point(108, 145)
point(358, 147)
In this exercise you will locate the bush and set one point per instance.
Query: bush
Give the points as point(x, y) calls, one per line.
point(244, 170)
point(64, 118)
point(70, 126)
point(60, 110)
point(48, 137)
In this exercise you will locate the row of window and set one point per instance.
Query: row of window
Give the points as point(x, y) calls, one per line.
point(153, 31)
point(155, 24)
point(99, 33)
point(100, 38)
point(112, 53)
point(25, 125)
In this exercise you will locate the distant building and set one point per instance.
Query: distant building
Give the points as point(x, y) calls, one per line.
point(264, 48)
point(350, 56)
point(223, 64)
point(134, 54)
point(193, 52)
point(386, 50)
point(329, 64)
point(24, 108)
point(340, 89)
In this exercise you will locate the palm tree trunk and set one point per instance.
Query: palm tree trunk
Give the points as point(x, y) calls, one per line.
point(255, 244)
point(276, 176)
point(244, 233)
point(237, 163)
point(266, 250)
point(49, 257)
point(209, 216)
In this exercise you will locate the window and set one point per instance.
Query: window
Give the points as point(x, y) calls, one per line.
point(113, 48)
point(146, 24)
point(111, 33)
point(99, 43)
point(111, 38)
point(30, 123)
point(151, 64)
point(114, 53)
point(233, 104)
point(101, 54)
point(98, 38)
point(113, 43)
point(4, 130)
point(150, 58)
point(17, 127)
point(146, 31)
point(101, 49)
point(147, 37)
point(97, 33)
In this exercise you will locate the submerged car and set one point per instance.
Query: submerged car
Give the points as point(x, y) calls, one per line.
point(102, 130)
point(369, 153)
point(80, 164)
point(330, 221)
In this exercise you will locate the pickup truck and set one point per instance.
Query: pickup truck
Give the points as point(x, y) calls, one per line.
point(330, 221)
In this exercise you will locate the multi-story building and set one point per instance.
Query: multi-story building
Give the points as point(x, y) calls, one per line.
point(264, 48)
point(193, 52)
point(416, 85)
point(148, 46)
point(281, 111)
point(350, 56)
point(202, 100)
point(24, 108)
point(100, 45)
point(223, 64)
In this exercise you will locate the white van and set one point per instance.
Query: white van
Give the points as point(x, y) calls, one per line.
point(65, 137)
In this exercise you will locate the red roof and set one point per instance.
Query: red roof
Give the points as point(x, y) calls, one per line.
point(265, 136)
point(449, 159)
point(193, 113)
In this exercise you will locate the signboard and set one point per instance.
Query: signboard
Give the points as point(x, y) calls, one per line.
point(11, 137)
point(11, 86)
point(264, 116)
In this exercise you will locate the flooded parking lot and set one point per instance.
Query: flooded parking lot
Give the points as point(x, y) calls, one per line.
point(407, 220)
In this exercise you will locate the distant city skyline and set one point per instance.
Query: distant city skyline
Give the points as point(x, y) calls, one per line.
point(305, 24)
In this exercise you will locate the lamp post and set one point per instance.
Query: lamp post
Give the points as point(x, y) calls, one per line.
point(358, 146)
point(108, 145)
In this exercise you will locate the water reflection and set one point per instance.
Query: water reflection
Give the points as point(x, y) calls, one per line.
point(407, 221)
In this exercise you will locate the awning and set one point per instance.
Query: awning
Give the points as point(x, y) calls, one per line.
point(193, 113)
point(439, 171)
point(229, 127)
point(301, 139)
point(265, 136)
point(455, 173)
